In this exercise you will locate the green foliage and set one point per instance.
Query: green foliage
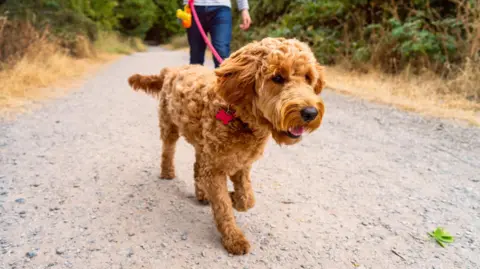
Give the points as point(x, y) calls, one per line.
point(69, 19)
point(268, 10)
point(136, 16)
point(65, 18)
point(391, 34)
point(77, 24)
point(166, 24)
point(103, 12)
point(412, 40)
point(131, 17)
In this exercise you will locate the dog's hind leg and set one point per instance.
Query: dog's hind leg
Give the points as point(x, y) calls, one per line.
point(243, 197)
point(169, 135)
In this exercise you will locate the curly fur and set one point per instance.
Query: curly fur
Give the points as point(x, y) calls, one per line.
point(191, 96)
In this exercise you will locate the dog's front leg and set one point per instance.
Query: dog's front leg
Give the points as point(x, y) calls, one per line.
point(243, 197)
point(232, 237)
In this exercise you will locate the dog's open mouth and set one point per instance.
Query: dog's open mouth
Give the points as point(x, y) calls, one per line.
point(295, 132)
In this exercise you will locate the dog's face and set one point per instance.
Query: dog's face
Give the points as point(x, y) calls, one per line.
point(279, 82)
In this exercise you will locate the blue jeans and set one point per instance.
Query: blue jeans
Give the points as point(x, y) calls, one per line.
point(216, 20)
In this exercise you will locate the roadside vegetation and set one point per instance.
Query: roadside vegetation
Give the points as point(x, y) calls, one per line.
point(421, 55)
point(45, 42)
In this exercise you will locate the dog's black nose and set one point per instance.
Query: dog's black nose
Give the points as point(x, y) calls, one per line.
point(309, 113)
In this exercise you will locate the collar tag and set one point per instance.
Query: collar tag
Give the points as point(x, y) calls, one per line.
point(225, 116)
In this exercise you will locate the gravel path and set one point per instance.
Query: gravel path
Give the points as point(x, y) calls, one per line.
point(79, 188)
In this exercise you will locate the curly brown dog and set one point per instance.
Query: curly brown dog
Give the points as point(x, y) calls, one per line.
point(266, 88)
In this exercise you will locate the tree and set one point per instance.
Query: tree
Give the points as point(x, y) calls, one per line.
point(136, 16)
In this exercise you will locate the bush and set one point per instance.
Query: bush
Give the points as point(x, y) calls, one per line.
point(15, 39)
point(166, 24)
point(136, 16)
point(73, 24)
point(391, 35)
point(69, 18)
point(59, 19)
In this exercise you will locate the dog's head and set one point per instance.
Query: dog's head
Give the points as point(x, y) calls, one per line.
point(278, 82)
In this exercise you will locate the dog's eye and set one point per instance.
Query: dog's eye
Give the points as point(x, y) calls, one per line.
point(278, 79)
point(308, 78)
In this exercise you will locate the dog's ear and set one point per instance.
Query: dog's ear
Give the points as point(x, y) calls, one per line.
point(237, 74)
point(320, 84)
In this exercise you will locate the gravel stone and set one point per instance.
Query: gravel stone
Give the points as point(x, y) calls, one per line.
point(31, 254)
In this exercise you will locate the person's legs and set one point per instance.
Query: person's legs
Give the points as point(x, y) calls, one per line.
point(195, 39)
point(221, 31)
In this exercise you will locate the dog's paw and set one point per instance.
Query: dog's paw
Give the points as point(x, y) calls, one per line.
point(242, 203)
point(165, 178)
point(167, 175)
point(201, 196)
point(203, 202)
point(236, 244)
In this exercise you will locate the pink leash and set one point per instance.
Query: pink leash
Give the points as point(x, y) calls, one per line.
point(199, 25)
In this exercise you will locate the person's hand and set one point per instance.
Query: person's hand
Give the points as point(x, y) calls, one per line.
point(246, 20)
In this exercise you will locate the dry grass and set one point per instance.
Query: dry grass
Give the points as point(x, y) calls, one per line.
point(116, 44)
point(454, 92)
point(178, 42)
point(43, 66)
point(426, 94)
point(33, 69)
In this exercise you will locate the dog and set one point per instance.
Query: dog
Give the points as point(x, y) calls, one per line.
point(266, 88)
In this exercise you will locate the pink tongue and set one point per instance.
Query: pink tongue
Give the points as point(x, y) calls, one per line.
point(296, 131)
